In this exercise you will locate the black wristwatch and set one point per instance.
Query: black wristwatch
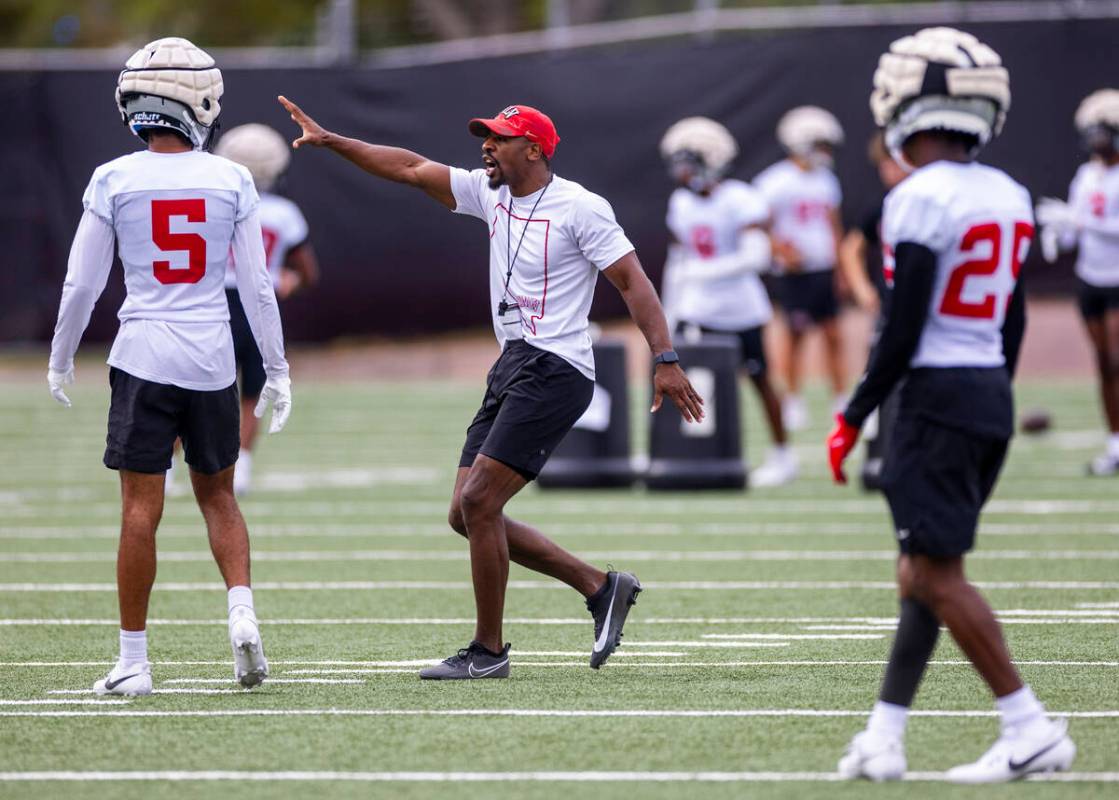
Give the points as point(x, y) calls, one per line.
point(667, 357)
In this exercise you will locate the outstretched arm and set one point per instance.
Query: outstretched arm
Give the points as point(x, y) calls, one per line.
point(641, 298)
point(391, 163)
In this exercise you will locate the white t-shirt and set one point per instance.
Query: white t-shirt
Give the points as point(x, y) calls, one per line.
point(979, 222)
point(571, 236)
point(802, 203)
point(284, 227)
point(173, 215)
point(1094, 194)
point(707, 227)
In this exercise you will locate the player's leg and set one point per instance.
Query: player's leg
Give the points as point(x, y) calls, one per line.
point(251, 365)
point(1103, 332)
point(780, 465)
point(825, 314)
point(798, 321)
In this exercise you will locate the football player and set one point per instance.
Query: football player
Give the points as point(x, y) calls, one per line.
point(718, 226)
point(955, 233)
point(804, 197)
point(1090, 222)
point(291, 263)
point(173, 212)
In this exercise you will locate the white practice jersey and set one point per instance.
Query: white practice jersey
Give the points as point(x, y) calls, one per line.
point(802, 203)
point(1094, 195)
point(284, 227)
point(174, 217)
point(979, 223)
point(556, 255)
point(708, 227)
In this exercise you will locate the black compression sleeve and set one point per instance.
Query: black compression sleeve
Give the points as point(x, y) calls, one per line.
point(914, 276)
point(1014, 328)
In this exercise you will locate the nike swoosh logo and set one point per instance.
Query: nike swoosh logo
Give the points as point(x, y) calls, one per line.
point(481, 673)
point(114, 684)
point(1018, 766)
point(600, 644)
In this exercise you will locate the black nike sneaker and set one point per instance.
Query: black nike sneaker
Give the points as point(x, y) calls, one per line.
point(472, 662)
point(610, 606)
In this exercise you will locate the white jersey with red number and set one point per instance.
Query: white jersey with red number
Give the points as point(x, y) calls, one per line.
point(173, 215)
point(558, 240)
point(979, 223)
point(1094, 195)
point(284, 227)
point(802, 203)
point(708, 227)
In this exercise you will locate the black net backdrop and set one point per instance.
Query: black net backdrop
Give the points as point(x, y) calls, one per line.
point(394, 262)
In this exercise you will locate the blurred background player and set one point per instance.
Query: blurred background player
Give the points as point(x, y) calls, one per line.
point(174, 212)
point(861, 268)
point(290, 258)
point(1090, 223)
point(718, 227)
point(958, 232)
point(804, 198)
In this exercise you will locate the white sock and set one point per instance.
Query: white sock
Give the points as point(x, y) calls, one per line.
point(133, 646)
point(245, 457)
point(888, 720)
point(1113, 445)
point(240, 596)
point(1019, 709)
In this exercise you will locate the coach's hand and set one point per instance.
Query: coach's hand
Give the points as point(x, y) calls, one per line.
point(841, 442)
point(313, 133)
point(277, 393)
point(56, 379)
point(669, 379)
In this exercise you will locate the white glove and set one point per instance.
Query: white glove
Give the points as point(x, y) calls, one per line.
point(1054, 213)
point(56, 379)
point(1050, 244)
point(277, 393)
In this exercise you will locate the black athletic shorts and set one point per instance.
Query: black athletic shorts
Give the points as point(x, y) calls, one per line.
point(246, 352)
point(808, 298)
point(750, 346)
point(533, 398)
point(145, 418)
point(1095, 301)
point(936, 479)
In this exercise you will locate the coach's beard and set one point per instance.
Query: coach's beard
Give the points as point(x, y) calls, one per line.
point(493, 172)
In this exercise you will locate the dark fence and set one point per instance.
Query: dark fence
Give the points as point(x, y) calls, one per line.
point(394, 262)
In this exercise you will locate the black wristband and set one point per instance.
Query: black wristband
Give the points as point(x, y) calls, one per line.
point(667, 357)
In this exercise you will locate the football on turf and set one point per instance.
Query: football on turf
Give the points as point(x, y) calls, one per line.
point(1036, 420)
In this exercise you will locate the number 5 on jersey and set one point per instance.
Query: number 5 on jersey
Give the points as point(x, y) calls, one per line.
point(992, 235)
point(191, 243)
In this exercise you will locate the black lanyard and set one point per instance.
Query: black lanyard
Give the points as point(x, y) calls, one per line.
point(503, 306)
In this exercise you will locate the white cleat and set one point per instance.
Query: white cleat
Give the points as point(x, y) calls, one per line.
point(128, 680)
point(1103, 466)
point(870, 755)
point(250, 667)
point(1015, 756)
point(794, 413)
point(780, 467)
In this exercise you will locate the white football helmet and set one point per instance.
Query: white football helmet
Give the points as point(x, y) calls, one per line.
point(940, 79)
point(1097, 120)
point(171, 84)
point(258, 147)
point(803, 128)
point(701, 148)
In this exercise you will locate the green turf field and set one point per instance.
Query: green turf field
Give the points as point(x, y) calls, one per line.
point(751, 656)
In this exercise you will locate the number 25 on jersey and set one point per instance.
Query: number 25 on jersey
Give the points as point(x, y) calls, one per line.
point(194, 210)
point(988, 241)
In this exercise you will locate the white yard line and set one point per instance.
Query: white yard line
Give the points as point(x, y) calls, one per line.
point(236, 690)
point(787, 636)
point(270, 680)
point(702, 586)
point(50, 702)
point(527, 712)
point(179, 776)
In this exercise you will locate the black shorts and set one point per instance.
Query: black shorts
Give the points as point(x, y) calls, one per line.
point(750, 346)
point(246, 352)
point(1095, 301)
point(533, 398)
point(808, 298)
point(145, 418)
point(936, 480)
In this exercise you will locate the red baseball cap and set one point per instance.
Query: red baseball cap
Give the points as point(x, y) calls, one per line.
point(526, 121)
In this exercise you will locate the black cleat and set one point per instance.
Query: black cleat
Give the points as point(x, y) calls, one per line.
point(470, 663)
point(610, 607)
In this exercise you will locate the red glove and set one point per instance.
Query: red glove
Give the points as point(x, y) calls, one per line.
point(841, 442)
